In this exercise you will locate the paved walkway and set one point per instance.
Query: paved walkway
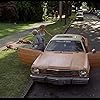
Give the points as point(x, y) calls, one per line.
point(15, 37)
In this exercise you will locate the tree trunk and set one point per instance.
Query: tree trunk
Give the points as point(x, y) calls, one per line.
point(66, 10)
point(69, 8)
point(60, 10)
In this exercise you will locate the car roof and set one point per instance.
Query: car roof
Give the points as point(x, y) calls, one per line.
point(67, 37)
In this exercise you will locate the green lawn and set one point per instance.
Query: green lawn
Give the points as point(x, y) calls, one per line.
point(13, 74)
point(11, 28)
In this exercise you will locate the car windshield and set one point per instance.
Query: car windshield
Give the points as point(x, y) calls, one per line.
point(64, 45)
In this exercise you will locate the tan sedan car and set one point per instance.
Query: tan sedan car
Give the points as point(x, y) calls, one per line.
point(65, 60)
point(79, 17)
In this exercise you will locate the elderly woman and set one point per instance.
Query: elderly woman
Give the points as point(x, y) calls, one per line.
point(39, 42)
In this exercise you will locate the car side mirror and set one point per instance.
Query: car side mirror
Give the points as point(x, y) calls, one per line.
point(93, 51)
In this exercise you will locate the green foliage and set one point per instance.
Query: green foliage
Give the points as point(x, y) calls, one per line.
point(30, 10)
point(10, 28)
point(52, 5)
point(8, 11)
point(94, 4)
point(24, 11)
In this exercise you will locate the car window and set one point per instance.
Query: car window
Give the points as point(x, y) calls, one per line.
point(64, 45)
point(79, 14)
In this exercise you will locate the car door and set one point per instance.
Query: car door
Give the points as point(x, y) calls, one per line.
point(28, 56)
point(85, 43)
point(94, 59)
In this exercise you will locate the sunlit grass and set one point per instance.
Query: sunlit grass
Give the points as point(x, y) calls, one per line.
point(8, 28)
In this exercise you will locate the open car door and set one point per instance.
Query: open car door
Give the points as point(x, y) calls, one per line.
point(27, 55)
point(94, 59)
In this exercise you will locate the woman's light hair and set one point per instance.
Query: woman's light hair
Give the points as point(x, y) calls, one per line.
point(34, 32)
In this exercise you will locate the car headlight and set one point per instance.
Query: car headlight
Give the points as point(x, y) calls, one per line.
point(35, 71)
point(83, 73)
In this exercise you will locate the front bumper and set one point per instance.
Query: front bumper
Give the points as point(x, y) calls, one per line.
point(59, 80)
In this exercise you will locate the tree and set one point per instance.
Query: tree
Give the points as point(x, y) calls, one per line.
point(24, 11)
point(52, 5)
point(66, 10)
point(8, 11)
point(60, 10)
point(30, 10)
point(92, 4)
point(69, 8)
point(77, 4)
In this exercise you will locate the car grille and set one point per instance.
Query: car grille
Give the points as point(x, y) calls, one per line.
point(60, 73)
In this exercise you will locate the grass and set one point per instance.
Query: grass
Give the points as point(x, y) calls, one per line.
point(13, 74)
point(11, 28)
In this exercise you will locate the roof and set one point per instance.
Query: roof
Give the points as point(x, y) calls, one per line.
point(67, 37)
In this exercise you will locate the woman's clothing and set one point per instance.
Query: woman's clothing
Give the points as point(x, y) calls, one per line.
point(39, 42)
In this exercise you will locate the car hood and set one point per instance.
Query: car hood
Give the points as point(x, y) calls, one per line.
point(69, 60)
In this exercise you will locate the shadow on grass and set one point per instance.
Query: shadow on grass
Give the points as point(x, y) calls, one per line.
point(7, 28)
